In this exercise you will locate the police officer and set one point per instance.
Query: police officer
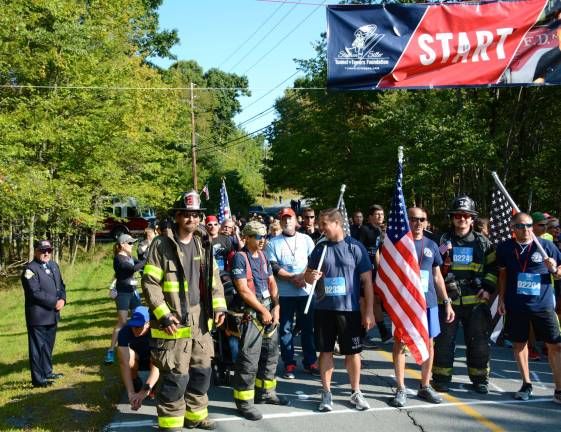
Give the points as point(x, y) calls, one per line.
point(470, 277)
point(182, 289)
point(45, 296)
point(258, 356)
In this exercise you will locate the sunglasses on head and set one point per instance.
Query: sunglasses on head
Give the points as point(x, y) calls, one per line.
point(462, 216)
point(522, 225)
point(46, 251)
point(418, 219)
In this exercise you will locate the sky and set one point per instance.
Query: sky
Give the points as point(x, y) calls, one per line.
point(255, 38)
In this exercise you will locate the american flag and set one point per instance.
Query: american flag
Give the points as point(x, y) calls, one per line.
point(501, 212)
point(398, 279)
point(343, 210)
point(205, 191)
point(224, 206)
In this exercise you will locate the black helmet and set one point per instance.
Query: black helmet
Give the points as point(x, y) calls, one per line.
point(463, 204)
point(188, 201)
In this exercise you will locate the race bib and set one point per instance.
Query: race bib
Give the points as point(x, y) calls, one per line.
point(528, 284)
point(425, 280)
point(335, 287)
point(220, 263)
point(462, 255)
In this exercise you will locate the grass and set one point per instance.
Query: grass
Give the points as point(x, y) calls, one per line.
point(85, 397)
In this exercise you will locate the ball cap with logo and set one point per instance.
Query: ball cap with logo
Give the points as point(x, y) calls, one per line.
point(43, 245)
point(286, 212)
point(189, 201)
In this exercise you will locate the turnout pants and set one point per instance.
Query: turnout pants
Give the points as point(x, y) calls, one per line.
point(185, 370)
point(256, 364)
point(41, 341)
point(476, 322)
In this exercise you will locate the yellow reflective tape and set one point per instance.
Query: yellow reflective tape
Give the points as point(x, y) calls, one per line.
point(181, 333)
point(442, 371)
point(479, 371)
point(197, 258)
point(161, 311)
point(170, 422)
point(265, 384)
point(244, 395)
point(156, 272)
point(218, 303)
point(491, 257)
point(476, 267)
point(210, 324)
point(196, 415)
point(491, 278)
point(171, 286)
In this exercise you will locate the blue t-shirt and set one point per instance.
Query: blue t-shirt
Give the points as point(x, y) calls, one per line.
point(140, 344)
point(291, 253)
point(428, 257)
point(528, 282)
point(260, 270)
point(345, 261)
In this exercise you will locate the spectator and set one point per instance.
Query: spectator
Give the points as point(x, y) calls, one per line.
point(481, 225)
point(309, 224)
point(358, 218)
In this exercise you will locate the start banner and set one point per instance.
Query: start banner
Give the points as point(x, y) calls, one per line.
point(466, 44)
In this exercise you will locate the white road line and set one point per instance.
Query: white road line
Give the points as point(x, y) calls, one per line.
point(536, 378)
point(148, 423)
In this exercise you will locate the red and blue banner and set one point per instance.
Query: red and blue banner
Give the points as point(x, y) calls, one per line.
point(466, 44)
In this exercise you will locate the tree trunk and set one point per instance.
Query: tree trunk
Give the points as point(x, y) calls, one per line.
point(31, 247)
point(91, 243)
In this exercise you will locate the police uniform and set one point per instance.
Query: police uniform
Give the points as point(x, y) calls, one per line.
point(256, 364)
point(43, 287)
point(471, 267)
point(184, 358)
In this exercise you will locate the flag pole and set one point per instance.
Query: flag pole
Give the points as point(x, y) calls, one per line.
point(400, 154)
point(517, 210)
point(312, 291)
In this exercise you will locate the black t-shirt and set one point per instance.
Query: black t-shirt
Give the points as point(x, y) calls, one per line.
point(191, 261)
point(370, 237)
point(315, 235)
point(221, 247)
point(355, 231)
point(549, 66)
point(140, 344)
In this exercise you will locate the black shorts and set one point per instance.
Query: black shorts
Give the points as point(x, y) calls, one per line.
point(545, 325)
point(344, 327)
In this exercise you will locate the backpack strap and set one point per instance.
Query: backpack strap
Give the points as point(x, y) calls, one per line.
point(248, 272)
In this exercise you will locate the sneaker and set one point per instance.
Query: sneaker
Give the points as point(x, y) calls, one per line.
point(557, 396)
point(400, 398)
point(289, 371)
point(533, 355)
point(480, 388)
point(250, 413)
point(358, 400)
point(441, 387)
point(205, 424)
point(387, 339)
point(326, 403)
point(110, 357)
point(312, 369)
point(524, 393)
point(369, 343)
point(428, 394)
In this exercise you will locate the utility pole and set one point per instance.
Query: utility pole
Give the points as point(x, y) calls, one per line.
point(193, 143)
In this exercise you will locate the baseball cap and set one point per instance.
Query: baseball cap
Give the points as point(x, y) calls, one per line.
point(43, 244)
point(125, 238)
point(139, 317)
point(538, 217)
point(286, 212)
point(253, 228)
point(211, 218)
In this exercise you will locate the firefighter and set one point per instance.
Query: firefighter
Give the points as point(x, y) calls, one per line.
point(182, 287)
point(470, 277)
point(256, 364)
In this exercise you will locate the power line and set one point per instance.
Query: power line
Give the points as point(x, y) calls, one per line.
point(284, 38)
point(264, 37)
point(270, 91)
point(233, 142)
point(82, 87)
point(262, 113)
point(253, 34)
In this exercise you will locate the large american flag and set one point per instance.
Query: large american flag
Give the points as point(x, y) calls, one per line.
point(343, 210)
point(398, 279)
point(224, 206)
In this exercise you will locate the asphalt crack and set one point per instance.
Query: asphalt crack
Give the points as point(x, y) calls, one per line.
point(414, 420)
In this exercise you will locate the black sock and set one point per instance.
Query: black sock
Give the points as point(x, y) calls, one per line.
point(382, 329)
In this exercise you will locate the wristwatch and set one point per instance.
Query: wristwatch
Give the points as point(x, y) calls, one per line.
point(446, 301)
point(146, 387)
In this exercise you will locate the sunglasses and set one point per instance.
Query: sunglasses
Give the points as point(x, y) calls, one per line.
point(521, 226)
point(309, 217)
point(418, 219)
point(211, 224)
point(459, 216)
point(130, 243)
point(46, 251)
point(193, 215)
point(258, 237)
point(542, 225)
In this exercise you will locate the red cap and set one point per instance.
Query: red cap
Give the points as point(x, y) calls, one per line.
point(287, 212)
point(211, 218)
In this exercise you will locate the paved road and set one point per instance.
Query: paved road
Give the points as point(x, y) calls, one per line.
point(462, 410)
